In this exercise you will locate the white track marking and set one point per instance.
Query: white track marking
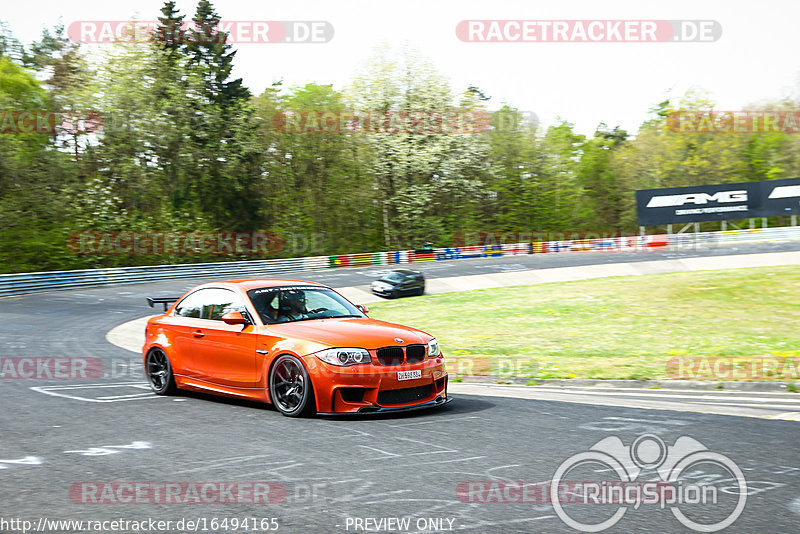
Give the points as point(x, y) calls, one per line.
point(57, 391)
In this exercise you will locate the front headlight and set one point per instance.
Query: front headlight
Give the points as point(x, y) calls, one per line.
point(344, 357)
point(433, 348)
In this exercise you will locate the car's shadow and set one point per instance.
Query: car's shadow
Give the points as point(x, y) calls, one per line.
point(459, 405)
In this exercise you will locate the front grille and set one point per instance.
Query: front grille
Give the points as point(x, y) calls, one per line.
point(415, 353)
point(390, 355)
point(403, 396)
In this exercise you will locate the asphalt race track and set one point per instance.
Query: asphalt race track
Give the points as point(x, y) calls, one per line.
point(61, 438)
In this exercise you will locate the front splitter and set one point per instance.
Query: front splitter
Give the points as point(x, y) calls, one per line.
point(439, 401)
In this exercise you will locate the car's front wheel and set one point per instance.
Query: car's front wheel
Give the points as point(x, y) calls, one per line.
point(159, 373)
point(290, 387)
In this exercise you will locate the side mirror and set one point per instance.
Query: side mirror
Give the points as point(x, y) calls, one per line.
point(364, 309)
point(234, 318)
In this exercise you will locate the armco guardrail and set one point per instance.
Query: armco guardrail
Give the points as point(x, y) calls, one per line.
point(17, 284)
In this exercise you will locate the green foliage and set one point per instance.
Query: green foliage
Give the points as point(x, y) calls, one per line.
point(419, 176)
point(185, 147)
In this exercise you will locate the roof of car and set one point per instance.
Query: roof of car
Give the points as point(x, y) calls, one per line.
point(405, 271)
point(254, 283)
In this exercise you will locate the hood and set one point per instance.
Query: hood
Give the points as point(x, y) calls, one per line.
point(350, 332)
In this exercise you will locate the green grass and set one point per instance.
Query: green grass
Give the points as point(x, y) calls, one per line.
point(622, 327)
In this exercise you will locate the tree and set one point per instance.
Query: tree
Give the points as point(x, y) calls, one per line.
point(9, 45)
point(561, 194)
point(515, 159)
point(419, 171)
point(599, 180)
point(68, 79)
point(170, 35)
point(33, 175)
point(212, 55)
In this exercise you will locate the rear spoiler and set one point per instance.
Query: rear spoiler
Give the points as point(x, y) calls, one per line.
point(166, 301)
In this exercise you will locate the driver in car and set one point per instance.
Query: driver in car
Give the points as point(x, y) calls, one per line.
point(293, 306)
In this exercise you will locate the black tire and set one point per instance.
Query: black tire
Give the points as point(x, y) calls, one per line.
point(396, 294)
point(421, 291)
point(159, 373)
point(290, 387)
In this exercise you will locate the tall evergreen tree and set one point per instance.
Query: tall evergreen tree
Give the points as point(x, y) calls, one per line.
point(209, 49)
point(170, 35)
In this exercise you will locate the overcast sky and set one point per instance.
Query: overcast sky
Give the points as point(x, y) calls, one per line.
point(584, 83)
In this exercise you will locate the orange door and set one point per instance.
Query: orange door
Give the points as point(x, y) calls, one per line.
point(212, 350)
point(226, 354)
point(183, 339)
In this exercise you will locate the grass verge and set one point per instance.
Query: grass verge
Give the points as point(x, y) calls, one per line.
point(738, 324)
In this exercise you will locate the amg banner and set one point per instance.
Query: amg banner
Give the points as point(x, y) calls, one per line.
point(718, 202)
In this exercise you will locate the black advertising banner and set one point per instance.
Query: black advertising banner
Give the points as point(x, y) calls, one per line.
point(781, 197)
point(718, 202)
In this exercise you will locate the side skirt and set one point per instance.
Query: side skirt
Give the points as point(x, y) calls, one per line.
point(194, 384)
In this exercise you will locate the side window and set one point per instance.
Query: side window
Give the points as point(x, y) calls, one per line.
point(192, 305)
point(209, 304)
point(218, 302)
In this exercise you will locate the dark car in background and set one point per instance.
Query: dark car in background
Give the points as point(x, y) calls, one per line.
point(398, 283)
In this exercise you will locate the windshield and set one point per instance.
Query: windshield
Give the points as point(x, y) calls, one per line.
point(393, 277)
point(300, 303)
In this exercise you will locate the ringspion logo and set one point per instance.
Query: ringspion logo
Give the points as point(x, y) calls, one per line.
point(665, 471)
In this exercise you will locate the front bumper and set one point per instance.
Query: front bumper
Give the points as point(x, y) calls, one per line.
point(383, 292)
point(351, 389)
point(438, 401)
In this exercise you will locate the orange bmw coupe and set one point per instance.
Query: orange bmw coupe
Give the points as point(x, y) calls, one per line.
point(300, 346)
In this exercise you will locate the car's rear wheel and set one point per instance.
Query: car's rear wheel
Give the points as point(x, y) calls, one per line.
point(290, 387)
point(159, 373)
